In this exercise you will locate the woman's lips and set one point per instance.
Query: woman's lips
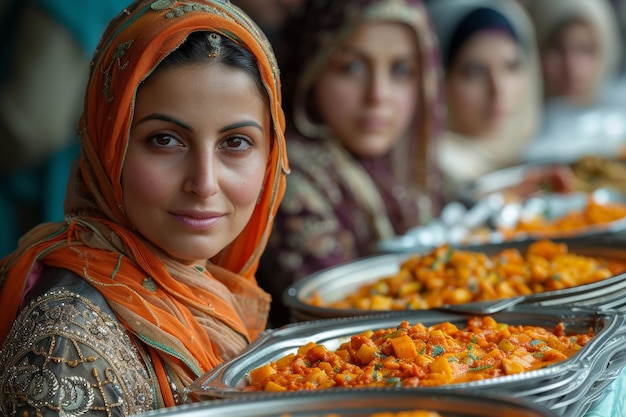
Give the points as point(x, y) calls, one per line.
point(373, 124)
point(198, 220)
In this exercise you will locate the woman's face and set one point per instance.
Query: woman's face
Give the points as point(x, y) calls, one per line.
point(368, 93)
point(196, 160)
point(485, 84)
point(571, 62)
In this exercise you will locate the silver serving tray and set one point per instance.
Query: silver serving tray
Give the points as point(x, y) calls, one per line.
point(336, 283)
point(502, 179)
point(499, 181)
point(358, 403)
point(549, 386)
point(605, 370)
point(456, 225)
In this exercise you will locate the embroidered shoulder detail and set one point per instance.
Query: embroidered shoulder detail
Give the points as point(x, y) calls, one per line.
point(66, 356)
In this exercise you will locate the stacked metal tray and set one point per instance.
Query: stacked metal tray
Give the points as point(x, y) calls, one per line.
point(361, 403)
point(569, 388)
point(483, 221)
point(336, 283)
point(591, 173)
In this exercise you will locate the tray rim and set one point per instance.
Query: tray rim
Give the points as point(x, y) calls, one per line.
point(317, 400)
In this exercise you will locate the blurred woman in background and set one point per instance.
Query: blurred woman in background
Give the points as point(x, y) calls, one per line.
point(579, 46)
point(492, 86)
point(581, 50)
point(362, 103)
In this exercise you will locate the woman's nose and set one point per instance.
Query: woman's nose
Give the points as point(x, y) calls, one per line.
point(202, 177)
point(497, 86)
point(379, 86)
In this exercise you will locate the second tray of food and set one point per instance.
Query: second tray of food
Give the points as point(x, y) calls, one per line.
point(481, 278)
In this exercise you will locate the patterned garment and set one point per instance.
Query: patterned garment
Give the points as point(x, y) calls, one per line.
point(338, 206)
point(169, 322)
point(67, 354)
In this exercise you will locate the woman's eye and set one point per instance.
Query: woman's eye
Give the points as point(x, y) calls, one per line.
point(473, 71)
point(164, 141)
point(236, 143)
point(403, 70)
point(588, 50)
point(353, 67)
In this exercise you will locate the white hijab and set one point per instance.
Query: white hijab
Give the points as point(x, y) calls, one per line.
point(462, 158)
point(548, 15)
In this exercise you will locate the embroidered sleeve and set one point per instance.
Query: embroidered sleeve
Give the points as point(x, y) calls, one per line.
point(65, 356)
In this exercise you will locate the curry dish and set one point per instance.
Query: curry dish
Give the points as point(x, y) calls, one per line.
point(454, 276)
point(593, 215)
point(416, 356)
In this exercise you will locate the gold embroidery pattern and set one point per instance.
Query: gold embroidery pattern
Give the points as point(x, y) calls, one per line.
point(192, 6)
point(65, 355)
point(185, 7)
point(116, 58)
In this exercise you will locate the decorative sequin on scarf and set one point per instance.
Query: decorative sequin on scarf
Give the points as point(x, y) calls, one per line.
point(116, 58)
point(64, 355)
point(149, 284)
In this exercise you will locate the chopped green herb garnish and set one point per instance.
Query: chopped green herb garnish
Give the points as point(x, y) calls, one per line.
point(393, 335)
point(470, 348)
point(480, 368)
point(438, 350)
point(394, 381)
point(442, 259)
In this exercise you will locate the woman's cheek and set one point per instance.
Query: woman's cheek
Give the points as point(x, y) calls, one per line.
point(145, 181)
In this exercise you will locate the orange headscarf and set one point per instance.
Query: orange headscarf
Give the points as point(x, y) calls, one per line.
point(189, 319)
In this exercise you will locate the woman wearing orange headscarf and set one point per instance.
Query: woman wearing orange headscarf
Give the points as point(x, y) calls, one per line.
point(150, 281)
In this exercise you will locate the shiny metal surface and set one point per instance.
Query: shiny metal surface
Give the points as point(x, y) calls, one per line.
point(336, 283)
point(480, 224)
point(360, 403)
point(560, 387)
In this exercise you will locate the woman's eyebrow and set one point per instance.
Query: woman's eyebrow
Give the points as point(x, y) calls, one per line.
point(237, 125)
point(165, 118)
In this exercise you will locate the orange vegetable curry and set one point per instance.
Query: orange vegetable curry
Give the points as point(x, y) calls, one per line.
point(416, 355)
point(453, 276)
point(594, 214)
